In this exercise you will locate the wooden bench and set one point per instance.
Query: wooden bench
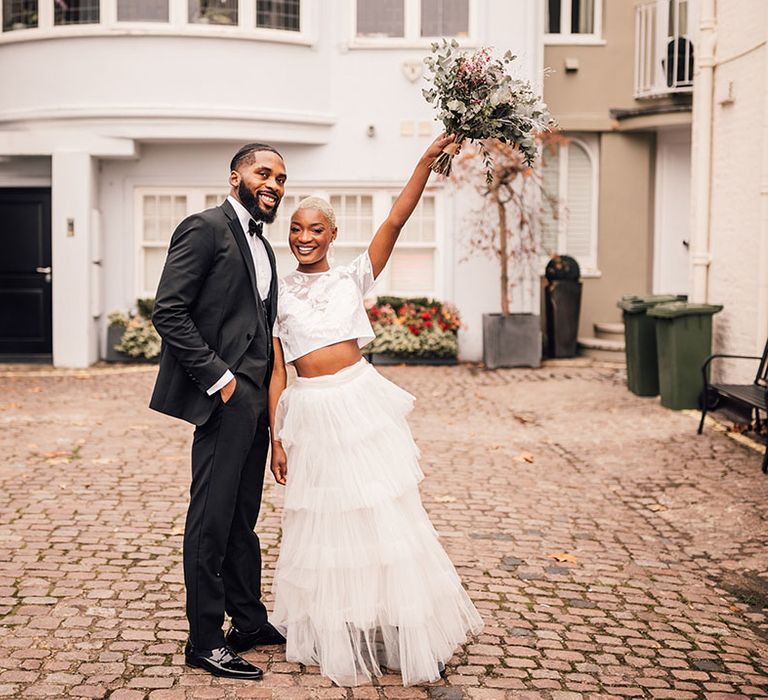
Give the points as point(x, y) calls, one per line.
point(754, 395)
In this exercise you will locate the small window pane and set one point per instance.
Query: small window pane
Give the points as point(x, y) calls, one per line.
point(380, 18)
point(279, 14)
point(444, 17)
point(19, 14)
point(420, 228)
point(154, 259)
point(552, 9)
point(412, 271)
point(142, 10)
point(213, 11)
point(161, 215)
point(354, 217)
point(76, 12)
point(582, 16)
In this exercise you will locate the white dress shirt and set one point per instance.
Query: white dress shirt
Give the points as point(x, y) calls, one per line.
point(261, 265)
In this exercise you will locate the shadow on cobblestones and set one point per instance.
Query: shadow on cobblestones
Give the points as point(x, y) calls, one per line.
point(611, 551)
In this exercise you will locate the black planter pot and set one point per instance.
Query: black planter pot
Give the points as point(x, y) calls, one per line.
point(563, 305)
point(511, 341)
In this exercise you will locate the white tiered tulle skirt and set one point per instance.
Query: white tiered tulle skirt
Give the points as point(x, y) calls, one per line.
point(362, 582)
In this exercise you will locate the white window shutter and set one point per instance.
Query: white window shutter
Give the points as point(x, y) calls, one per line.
point(579, 214)
point(550, 175)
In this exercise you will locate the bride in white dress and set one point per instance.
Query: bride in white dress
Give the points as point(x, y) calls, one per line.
point(362, 584)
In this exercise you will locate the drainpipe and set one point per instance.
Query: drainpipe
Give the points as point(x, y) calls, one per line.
point(701, 156)
point(762, 261)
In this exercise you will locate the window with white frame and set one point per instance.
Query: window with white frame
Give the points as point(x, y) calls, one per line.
point(213, 12)
point(283, 21)
point(573, 18)
point(284, 15)
point(570, 177)
point(412, 270)
point(142, 10)
point(76, 11)
point(412, 19)
point(19, 14)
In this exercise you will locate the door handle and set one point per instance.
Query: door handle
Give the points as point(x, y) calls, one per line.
point(44, 271)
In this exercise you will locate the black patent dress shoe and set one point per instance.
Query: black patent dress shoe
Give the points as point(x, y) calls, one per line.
point(223, 662)
point(441, 670)
point(265, 635)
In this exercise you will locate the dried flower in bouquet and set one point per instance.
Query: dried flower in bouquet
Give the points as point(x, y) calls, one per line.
point(478, 99)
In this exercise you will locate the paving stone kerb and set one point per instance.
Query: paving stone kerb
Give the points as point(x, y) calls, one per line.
point(611, 551)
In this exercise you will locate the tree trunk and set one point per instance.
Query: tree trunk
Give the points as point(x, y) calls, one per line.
point(503, 256)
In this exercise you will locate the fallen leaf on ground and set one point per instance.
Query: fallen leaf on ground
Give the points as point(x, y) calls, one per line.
point(57, 453)
point(656, 507)
point(523, 419)
point(563, 557)
point(739, 428)
point(445, 499)
point(525, 457)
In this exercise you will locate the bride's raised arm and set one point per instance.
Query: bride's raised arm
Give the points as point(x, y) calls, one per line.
point(384, 241)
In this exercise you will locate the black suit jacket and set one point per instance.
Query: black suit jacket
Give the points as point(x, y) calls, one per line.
point(208, 313)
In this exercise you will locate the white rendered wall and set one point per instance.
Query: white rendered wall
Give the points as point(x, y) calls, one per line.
point(737, 174)
point(187, 102)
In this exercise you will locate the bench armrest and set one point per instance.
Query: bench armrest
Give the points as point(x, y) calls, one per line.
point(732, 357)
point(718, 356)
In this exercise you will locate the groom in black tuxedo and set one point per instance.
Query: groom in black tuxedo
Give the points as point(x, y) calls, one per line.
point(214, 309)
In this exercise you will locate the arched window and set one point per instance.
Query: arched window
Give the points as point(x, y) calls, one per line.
point(569, 225)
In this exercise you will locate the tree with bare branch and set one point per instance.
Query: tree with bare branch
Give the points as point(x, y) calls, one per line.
point(506, 225)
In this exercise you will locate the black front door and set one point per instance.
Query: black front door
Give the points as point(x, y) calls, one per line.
point(25, 272)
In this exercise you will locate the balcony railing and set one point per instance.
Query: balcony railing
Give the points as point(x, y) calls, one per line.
point(664, 48)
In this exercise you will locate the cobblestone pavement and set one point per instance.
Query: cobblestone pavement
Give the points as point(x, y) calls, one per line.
point(611, 551)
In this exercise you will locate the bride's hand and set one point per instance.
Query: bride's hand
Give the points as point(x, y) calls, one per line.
point(436, 147)
point(279, 465)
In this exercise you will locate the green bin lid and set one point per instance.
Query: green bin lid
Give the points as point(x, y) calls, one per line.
point(636, 304)
point(676, 309)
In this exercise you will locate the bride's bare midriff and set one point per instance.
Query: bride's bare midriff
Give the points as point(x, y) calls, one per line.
point(328, 360)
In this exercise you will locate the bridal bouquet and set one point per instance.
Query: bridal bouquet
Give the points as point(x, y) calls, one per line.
point(478, 99)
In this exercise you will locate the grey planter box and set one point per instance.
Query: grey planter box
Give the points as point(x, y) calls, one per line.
point(114, 335)
point(511, 341)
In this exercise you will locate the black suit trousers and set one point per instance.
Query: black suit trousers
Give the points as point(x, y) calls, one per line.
point(222, 554)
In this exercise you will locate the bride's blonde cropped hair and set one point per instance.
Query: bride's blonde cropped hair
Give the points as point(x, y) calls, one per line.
point(320, 205)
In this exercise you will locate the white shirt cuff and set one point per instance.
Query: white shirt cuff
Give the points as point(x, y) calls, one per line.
point(226, 378)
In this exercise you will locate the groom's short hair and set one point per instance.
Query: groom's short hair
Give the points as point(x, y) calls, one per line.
point(245, 154)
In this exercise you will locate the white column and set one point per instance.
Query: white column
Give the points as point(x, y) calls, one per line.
point(701, 154)
point(73, 193)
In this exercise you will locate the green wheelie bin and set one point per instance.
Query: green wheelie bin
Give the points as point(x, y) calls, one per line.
point(684, 341)
point(640, 342)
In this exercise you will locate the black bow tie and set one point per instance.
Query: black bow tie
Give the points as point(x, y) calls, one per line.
point(255, 228)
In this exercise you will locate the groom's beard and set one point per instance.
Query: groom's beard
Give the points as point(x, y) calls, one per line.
point(251, 203)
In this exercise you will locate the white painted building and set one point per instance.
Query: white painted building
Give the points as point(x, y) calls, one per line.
point(119, 117)
point(729, 246)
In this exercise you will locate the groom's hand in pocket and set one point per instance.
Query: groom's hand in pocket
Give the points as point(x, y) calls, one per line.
point(279, 463)
point(228, 389)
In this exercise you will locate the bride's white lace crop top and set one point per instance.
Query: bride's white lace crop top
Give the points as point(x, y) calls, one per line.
point(316, 309)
